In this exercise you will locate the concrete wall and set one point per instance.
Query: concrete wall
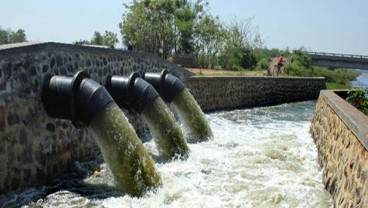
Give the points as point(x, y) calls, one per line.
point(219, 93)
point(34, 147)
point(184, 60)
point(341, 134)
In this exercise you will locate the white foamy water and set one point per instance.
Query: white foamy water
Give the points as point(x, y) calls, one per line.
point(261, 157)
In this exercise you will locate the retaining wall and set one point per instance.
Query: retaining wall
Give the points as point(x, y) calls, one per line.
point(222, 93)
point(341, 134)
point(34, 148)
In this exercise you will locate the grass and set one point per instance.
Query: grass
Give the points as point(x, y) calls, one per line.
point(211, 72)
point(334, 86)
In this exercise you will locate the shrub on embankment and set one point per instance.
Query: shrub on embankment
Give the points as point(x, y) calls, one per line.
point(359, 99)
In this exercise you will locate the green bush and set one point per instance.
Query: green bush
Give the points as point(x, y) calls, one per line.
point(238, 58)
point(296, 69)
point(340, 76)
point(359, 99)
point(264, 63)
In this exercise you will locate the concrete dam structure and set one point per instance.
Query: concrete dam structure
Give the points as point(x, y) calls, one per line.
point(35, 148)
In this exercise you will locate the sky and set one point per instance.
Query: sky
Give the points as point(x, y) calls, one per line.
point(335, 26)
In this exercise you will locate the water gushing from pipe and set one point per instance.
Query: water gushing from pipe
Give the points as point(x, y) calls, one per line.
point(194, 120)
point(86, 103)
point(139, 96)
point(172, 90)
point(168, 136)
point(124, 152)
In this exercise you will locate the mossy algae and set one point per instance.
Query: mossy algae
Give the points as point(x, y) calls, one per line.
point(131, 165)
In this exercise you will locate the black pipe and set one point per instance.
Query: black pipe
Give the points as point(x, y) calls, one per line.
point(76, 98)
point(167, 85)
point(131, 92)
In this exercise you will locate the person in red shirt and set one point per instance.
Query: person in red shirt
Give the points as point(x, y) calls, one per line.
point(280, 63)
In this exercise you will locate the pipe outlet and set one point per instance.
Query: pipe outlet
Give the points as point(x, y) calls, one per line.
point(167, 85)
point(76, 98)
point(131, 92)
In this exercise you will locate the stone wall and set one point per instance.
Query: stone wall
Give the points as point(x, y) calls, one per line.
point(221, 93)
point(33, 146)
point(184, 60)
point(341, 134)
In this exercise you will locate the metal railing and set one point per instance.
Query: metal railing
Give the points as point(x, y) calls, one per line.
point(338, 55)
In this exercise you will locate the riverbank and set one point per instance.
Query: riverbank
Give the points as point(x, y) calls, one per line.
point(360, 81)
point(222, 72)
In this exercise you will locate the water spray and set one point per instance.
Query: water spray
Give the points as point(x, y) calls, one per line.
point(88, 104)
point(137, 95)
point(172, 90)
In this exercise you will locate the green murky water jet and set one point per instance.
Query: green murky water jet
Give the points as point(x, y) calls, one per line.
point(129, 162)
point(167, 134)
point(194, 121)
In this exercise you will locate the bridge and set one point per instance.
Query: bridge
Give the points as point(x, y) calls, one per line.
point(335, 60)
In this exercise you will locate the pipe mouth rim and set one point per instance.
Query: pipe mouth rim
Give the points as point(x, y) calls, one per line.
point(77, 98)
point(162, 81)
point(108, 81)
point(163, 75)
point(132, 77)
point(45, 85)
point(77, 79)
point(75, 83)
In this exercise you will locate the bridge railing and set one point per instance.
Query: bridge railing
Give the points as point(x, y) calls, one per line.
point(338, 55)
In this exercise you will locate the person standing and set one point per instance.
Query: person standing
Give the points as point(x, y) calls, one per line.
point(280, 63)
point(130, 46)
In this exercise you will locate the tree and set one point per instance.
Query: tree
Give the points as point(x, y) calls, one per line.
point(184, 21)
point(4, 36)
point(148, 25)
point(301, 64)
point(241, 40)
point(301, 57)
point(108, 39)
point(163, 27)
point(18, 36)
point(166, 27)
point(97, 39)
point(9, 36)
point(81, 42)
point(208, 39)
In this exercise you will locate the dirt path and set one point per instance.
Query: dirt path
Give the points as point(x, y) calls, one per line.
point(212, 72)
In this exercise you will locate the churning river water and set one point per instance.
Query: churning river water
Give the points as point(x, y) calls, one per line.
point(259, 157)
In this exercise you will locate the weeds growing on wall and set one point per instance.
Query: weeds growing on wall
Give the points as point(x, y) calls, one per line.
point(359, 99)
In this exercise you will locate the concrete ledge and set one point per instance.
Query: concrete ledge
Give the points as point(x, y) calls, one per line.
point(352, 117)
point(30, 48)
